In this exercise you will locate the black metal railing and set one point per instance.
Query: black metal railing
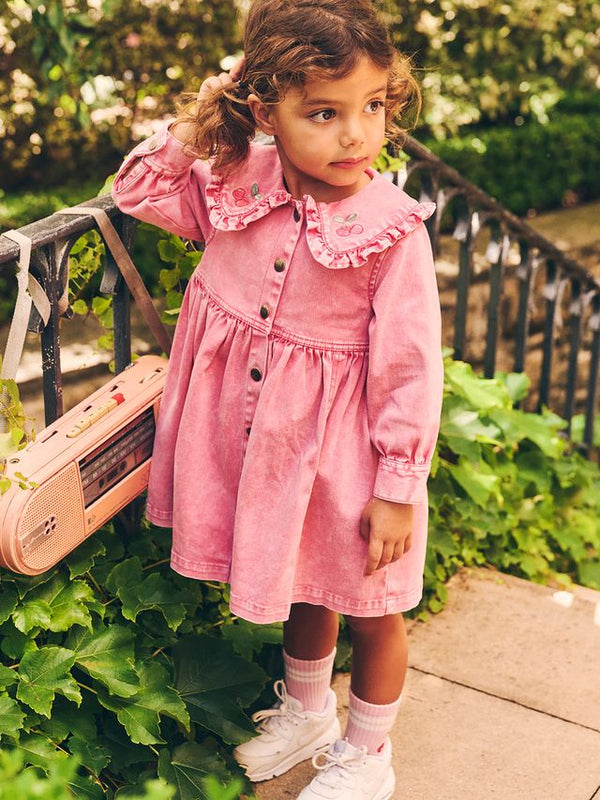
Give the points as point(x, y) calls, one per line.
point(540, 309)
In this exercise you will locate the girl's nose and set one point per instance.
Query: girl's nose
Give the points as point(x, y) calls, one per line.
point(352, 133)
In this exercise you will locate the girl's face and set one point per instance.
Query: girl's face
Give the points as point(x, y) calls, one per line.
point(328, 132)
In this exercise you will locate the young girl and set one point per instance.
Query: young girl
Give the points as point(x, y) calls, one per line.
point(303, 397)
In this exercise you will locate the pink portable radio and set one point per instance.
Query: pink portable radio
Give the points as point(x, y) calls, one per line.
point(87, 466)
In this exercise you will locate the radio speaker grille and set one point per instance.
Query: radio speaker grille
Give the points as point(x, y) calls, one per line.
point(53, 521)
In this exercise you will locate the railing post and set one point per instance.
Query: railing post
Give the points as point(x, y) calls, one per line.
point(496, 255)
point(551, 294)
point(592, 393)
point(50, 337)
point(575, 319)
point(525, 274)
point(466, 228)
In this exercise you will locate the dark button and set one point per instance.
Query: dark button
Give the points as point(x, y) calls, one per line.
point(255, 374)
point(248, 430)
point(264, 312)
point(296, 215)
point(279, 265)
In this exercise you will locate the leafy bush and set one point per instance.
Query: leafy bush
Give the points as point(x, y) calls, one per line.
point(533, 166)
point(115, 660)
point(507, 491)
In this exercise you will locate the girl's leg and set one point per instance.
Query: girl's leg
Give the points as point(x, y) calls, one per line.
point(309, 638)
point(311, 631)
point(379, 660)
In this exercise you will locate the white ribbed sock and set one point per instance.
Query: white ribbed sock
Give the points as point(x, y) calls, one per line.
point(308, 681)
point(369, 724)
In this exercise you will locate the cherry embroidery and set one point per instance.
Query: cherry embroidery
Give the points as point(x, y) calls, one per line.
point(240, 195)
point(347, 228)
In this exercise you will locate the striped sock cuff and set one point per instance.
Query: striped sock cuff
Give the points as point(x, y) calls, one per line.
point(369, 723)
point(308, 680)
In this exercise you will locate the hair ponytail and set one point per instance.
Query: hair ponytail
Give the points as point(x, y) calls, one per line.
point(223, 126)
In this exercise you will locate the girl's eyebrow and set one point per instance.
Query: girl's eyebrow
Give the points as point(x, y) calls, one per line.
point(327, 101)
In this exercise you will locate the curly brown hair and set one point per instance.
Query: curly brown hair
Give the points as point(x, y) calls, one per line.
point(286, 44)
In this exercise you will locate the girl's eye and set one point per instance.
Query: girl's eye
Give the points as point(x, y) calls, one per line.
point(373, 106)
point(323, 116)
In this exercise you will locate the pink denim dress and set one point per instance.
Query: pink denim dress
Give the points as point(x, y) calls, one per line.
point(305, 377)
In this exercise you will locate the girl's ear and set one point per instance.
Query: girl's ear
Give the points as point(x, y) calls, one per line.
point(262, 115)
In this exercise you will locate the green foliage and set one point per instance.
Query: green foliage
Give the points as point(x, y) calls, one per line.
point(482, 60)
point(507, 491)
point(532, 166)
point(114, 674)
point(76, 76)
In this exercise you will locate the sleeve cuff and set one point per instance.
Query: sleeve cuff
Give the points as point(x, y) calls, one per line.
point(163, 152)
point(401, 482)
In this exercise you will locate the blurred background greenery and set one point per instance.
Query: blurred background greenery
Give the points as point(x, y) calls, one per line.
point(510, 90)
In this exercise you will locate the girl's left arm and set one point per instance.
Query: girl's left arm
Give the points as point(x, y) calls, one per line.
point(405, 378)
point(404, 392)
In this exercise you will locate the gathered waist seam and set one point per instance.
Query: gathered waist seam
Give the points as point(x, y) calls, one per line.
point(277, 332)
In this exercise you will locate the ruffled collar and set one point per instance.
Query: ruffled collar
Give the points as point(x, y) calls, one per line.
point(340, 234)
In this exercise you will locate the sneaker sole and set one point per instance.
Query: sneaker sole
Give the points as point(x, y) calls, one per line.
point(266, 773)
point(387, 790)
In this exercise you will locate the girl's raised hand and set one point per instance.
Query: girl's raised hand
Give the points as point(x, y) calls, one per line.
point(225, 80)
point(387, 527)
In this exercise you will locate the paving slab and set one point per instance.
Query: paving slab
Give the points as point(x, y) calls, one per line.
point(500, 701)
point(455, 743)
point(517, 640)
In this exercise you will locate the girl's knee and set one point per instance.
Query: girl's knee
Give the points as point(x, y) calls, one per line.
point(374, 625)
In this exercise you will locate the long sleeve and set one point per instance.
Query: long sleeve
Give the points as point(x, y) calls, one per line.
point(159, 183)
point(405, 378)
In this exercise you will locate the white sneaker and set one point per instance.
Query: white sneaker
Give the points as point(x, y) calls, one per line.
point(350, 773)
point(287, 735)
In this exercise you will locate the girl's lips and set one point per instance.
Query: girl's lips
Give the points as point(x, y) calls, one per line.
point(348, 163)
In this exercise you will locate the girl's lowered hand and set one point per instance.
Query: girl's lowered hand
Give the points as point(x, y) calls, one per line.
point(387, 527)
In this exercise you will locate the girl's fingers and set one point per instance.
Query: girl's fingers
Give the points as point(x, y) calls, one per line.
point(407, 543)
point(235, 73)
point(387, 554)
point(213, 84)
point(373, 556)
point(365, 527)
point(399, 550)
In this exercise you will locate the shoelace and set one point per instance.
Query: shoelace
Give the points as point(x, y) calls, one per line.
point(282, 716)
point(338, 767)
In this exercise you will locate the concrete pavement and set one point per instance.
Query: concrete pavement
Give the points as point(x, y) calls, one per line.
point(502, 698)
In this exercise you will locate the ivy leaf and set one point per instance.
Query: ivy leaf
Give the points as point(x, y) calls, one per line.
point(248, 638)
point(14, 643)
point(459, 421)
point(188, 766)
point(44, 672)
point(90, 753)
point(214, 683)
point(7, 677)
point(482, 393)
point(83, 787)
point(107, 655)
point(39, 750)
point(542, 430)
point(83, 558)
point(68, 719)
point(441, 541)
point(589, 573)
point(138, 594)
point(140, 714)
point(32, 614)
point(479, 486)
point(11, 717)
point(8, 600)
point(67, 602)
